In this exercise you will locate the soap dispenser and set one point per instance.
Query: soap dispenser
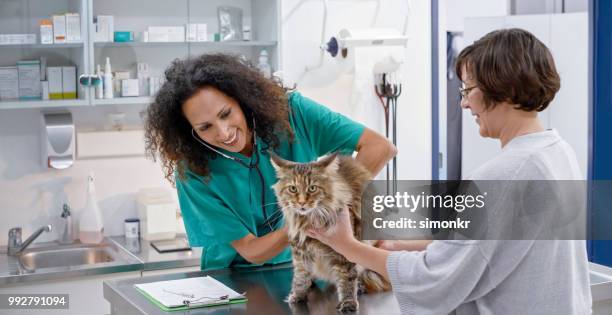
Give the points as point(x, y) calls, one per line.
point(66, 236)
point(91, 229)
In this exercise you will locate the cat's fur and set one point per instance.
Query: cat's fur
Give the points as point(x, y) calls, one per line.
point(339, 182)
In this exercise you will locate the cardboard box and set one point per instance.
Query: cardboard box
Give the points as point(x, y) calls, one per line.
point(105, 30)
point(191, 33)
point(17, 39)
point(9, 83)
point(54, 76)
point(73, 28)
point(202, 33)
point(29, 79)
point(46, 31)
point(69, 82)
point(59, 29)
point(166, 33)
point(129, 88)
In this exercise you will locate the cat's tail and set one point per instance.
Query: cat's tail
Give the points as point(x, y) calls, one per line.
point(373, 282)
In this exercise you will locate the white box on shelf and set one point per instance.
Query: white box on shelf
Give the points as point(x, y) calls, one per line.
point(9, 83)
point(46, 32)
point(119, 76)
point(129, 88)
point(202, 31)
point(69, 82)
point(191, 33)
point(166, 33)
point(105, 28)
point(59, 29)
point(73, 28)
point(29, 79)
point(54, 76)
point(157, 213)
point(44, 87)
point(17, 39)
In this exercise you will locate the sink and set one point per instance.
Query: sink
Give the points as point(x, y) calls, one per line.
point(65, 256)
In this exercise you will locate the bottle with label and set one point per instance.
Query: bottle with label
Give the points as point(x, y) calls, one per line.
point(99, 86)
point(108, 80)
point(264, 65)
point(91, 229)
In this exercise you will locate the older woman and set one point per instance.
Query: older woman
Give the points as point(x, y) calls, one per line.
point(508, 76)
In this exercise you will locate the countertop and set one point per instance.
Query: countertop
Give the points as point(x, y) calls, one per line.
point(266, 289)
point(153, 260)
point(136, 255)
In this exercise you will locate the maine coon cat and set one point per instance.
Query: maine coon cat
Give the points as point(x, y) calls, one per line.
point(311, 196)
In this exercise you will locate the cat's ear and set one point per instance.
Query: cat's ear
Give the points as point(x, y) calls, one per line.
point(330, 162)
point(277, 162)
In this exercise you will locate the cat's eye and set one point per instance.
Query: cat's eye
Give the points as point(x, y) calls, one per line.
point(292, 189)
point(312, 189)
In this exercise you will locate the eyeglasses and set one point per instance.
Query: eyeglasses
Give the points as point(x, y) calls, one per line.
point(465, 91)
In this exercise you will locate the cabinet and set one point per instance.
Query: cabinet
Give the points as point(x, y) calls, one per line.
point(23, 17)
point(85, 293)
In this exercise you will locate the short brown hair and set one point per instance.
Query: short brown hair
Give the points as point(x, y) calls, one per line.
point(511, 65)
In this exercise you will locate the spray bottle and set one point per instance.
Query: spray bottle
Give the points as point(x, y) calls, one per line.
point(91, 229)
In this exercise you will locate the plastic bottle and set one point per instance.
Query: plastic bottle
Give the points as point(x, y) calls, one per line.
point(91, 229)
point(108, 80)
point(99, 87)
point(263, 64)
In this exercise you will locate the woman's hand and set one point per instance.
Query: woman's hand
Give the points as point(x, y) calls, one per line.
point(339, 236)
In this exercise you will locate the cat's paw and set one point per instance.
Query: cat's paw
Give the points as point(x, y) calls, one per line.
point(348, 306)
point(294, 298)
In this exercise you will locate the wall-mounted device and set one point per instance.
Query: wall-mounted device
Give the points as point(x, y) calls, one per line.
point(348, 38)
point(58, 140)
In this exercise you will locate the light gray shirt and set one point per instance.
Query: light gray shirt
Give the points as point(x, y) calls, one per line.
point(501, 276)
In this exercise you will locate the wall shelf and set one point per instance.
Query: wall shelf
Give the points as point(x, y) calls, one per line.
point(141, 100)
point(16, 104)
point(195, 44)
point(42, 46)
point(262, 16)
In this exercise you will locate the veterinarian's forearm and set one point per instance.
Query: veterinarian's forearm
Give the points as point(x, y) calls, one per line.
point(258, 250)
point(365, 255)
point(374, 151)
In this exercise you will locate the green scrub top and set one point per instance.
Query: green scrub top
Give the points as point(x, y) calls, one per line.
point(228, 205)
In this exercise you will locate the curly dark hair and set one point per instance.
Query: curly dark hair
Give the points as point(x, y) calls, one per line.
point(168, 132)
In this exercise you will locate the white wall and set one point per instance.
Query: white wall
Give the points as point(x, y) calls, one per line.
point(521, 7)
point(334, 84)
point(31, 196)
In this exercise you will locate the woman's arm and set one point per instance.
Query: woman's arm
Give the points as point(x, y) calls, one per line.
point(341, 239)
point(374, 151)
point(410, 245)
point(258, 250)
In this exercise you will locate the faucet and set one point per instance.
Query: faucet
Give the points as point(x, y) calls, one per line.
point(15, 246)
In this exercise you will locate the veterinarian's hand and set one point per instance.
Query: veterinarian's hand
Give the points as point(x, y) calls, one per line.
point(338, 236)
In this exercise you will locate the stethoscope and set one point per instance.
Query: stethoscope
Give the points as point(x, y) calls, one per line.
point(253, 164)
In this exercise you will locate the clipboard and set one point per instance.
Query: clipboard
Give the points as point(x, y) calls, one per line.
point(168, 246)
point(185, 294)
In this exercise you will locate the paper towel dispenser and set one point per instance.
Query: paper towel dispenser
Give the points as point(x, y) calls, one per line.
point(58, 140)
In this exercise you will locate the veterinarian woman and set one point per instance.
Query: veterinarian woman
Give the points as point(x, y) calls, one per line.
point(212, 124)
point(508, 77)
